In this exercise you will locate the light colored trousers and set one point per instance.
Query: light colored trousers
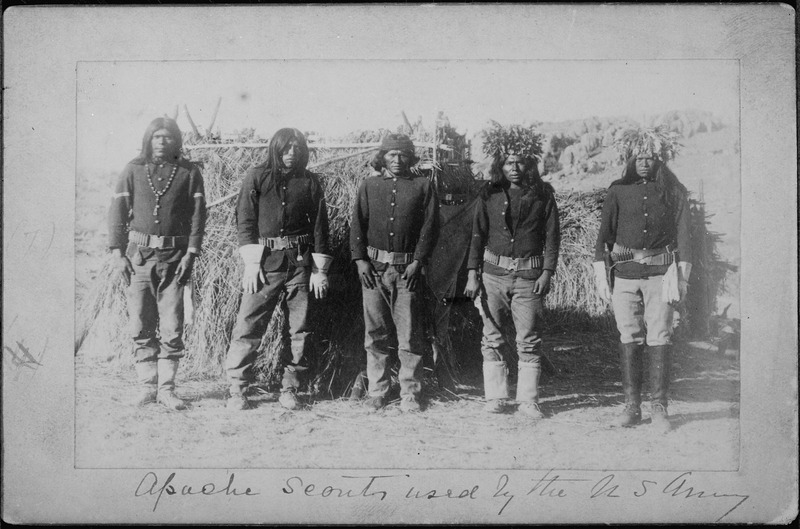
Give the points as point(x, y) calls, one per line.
point(640, 313)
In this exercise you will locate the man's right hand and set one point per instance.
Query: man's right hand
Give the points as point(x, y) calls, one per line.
point(123, 266)
point(366, 273)
point(252, 278)
point(601, 281)
point(473, 284)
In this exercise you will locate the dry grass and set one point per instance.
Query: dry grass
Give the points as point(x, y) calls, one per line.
point(102, 314)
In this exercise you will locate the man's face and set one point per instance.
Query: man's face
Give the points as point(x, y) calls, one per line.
point(291, 154)
point(396, 161)
point(514, 169)
point(163, 144)
point(644, 164)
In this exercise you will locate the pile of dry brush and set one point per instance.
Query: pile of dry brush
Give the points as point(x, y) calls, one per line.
point(101, 322)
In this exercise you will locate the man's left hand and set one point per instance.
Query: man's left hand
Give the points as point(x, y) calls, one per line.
point(542, 285)
point(184, 271)
point(411, 275)
point(319, 284)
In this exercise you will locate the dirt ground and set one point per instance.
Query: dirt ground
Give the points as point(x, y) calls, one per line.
point(580, 399)
point(581, 396)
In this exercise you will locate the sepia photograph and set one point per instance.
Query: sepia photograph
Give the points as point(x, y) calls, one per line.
point(322, 268)
point(309, 365)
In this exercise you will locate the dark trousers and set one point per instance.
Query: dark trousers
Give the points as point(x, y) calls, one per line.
point(155, 307)
point(254, 316)
point(511, 298)
point(389, 309)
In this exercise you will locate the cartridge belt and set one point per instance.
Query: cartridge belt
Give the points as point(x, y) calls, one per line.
point(159, 242)
point(649, 256)
point(284, 243)
point(513, 263)
point(393, 258)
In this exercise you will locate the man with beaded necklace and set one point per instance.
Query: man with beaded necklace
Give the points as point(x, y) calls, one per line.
point(156, 226)
point(512, 256)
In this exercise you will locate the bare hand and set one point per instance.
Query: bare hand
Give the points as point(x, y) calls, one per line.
point(601, 281)
point(124, 268)
point(542, 285)
point(473, 287)
point(366, 273)
point(411, 275)
point(184, 271)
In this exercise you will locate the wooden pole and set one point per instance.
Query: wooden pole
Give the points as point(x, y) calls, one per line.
point(312, 166)
point(408, 124)
point(214, 116)
point(311, 146)
point(191, 122)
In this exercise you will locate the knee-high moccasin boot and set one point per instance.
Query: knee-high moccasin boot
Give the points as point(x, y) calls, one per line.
point(495, 385)
point(146, 376)
point(167, 369)
point(631, 367)
point(659, 385)
point(528, 389)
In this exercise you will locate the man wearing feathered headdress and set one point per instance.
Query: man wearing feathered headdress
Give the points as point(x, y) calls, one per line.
point(642, 264)
point(512, 256)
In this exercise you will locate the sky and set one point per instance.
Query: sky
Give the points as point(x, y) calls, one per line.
point(117, 100)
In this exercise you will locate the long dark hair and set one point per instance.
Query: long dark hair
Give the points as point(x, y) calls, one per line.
point(279, 141)
point(157, 124)
point(670, 190)
point(498, 179)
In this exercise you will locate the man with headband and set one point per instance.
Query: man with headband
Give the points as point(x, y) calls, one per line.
point(391, 238)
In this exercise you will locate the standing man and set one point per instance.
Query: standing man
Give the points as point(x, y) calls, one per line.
point(283, 240)
point(391, 238)
point(644, 231)
point(158, 217)
point(513, 254)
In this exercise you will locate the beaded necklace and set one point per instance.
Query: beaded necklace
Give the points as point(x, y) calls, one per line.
point(159, 194)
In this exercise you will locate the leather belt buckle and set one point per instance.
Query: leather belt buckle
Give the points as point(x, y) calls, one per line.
point(513, 264)
point(156, 242)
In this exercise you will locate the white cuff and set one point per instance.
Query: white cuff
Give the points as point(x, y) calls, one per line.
point(251, 253)
point(322, 262)
point(686, 269)
point(599, 269)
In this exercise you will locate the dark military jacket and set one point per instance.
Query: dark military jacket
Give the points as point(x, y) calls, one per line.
point(291, 205)
point(181, 211)
point(394, 214)
point(527, 228)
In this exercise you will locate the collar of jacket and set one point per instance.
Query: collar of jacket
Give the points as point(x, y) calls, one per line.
point(388, 174)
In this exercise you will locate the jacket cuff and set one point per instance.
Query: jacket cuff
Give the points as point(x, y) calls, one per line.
point(251, 253)
point(358, 253)
point(322, 262)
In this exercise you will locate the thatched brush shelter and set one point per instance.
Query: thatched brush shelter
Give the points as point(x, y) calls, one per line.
point(102, 320)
